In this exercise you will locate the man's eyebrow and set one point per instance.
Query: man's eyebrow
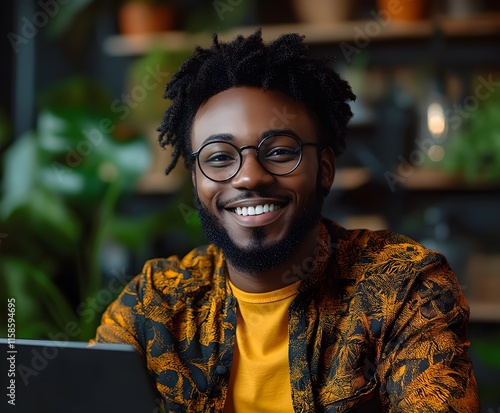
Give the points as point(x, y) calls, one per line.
point(270, 132)
point(226, 137)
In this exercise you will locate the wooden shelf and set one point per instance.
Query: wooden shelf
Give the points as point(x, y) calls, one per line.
point(376, 30)
point(420, 179)
point(429, 179)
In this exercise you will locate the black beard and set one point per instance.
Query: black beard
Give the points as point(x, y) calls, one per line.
point(260, 258)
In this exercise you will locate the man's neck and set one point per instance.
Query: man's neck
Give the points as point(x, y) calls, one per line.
point(295, 269)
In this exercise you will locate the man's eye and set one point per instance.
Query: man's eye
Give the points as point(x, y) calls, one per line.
point(219, 160)
point(282, 154)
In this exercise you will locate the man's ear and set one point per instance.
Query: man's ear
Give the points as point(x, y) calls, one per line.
point(193, 168)
point(327, 165)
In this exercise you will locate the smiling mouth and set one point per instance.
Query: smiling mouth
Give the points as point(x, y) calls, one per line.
point(256, 210)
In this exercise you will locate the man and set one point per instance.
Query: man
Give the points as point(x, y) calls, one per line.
point(286, 311)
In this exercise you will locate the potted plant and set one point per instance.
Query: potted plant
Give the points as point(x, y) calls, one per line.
point(404, 10)
point(61, 183)
point(474, 149)
point(323, 11)
point(132, 16)
point(147, 16)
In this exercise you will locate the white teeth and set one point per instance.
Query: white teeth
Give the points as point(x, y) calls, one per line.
point(256, 210)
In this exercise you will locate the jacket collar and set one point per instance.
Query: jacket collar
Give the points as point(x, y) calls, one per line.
point(338, 250)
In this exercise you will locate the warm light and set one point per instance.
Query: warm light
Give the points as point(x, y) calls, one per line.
point(436, 121)
point(436, 153)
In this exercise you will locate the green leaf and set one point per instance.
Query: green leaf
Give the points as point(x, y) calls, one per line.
point(51, 214)
point(41, 308)
point(80, 155)
point(19, 174)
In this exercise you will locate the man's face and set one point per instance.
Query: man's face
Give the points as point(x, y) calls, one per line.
point(257, 243)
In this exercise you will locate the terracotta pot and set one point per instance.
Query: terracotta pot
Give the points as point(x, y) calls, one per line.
point(137, 17)
point(406, 10)
point(323, 11)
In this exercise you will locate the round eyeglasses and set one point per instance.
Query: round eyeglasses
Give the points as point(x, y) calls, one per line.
point(278, 154)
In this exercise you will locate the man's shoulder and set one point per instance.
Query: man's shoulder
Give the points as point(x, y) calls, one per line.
point(199, 257)
point(376, 248)
point(381, 262)
point(195, 269)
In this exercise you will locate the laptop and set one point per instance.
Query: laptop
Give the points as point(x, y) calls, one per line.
point(60, 377)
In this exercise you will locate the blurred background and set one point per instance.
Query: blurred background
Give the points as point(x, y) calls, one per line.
point(84, 199)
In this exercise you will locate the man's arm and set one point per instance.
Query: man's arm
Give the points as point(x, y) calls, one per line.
point(123, 321)
point(425, 366)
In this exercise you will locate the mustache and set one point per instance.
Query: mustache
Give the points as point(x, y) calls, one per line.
point(252, 194)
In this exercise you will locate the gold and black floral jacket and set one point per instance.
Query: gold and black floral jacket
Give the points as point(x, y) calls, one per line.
point(379, 325)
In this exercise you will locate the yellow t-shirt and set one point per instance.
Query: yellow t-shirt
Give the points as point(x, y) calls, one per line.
point(260, 376)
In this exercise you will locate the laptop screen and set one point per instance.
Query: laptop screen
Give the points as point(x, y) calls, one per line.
point(55, 377)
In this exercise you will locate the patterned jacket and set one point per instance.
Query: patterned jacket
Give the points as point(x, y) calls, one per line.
point(379, 325)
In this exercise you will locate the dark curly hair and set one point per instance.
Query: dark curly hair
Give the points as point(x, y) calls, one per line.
point(284, 65)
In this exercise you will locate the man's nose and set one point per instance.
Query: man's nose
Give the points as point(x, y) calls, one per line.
point(251, 174)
